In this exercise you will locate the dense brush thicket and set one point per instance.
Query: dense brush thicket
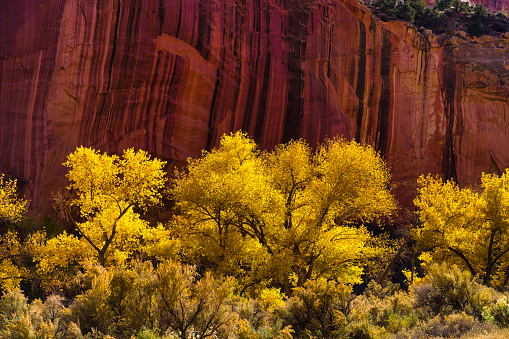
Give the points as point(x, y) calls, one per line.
point(172, 301)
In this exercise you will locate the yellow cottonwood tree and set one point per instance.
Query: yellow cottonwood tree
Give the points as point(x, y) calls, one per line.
point(106, 190)
point(284, 216)
point(13, 250)
point(468, 227)
point(12, 208)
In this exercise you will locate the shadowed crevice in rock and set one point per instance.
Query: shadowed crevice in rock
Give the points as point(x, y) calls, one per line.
point(266, 79)
point(361, 80)
point(384, 107)
point(297, 36)
point(450, 79)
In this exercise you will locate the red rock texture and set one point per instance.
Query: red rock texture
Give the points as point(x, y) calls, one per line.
point(172, 76)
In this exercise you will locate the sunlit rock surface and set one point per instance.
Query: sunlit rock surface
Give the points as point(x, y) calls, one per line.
point(172, 76)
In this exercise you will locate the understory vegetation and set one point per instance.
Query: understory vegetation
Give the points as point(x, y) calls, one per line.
point(287, 243)
point(445, 17)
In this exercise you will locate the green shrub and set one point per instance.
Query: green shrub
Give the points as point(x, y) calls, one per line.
point(476, 28)
point(442, 5)
point(148, 334)
point(406, 10)
point(445, 291)
point(363, 329)
point(188, 305)
point(91, 310)
point(459, 6)
point(255, 321)
point(498, 313)
point(133, 298)
point(13, 304)
point(319, 308)
point(21, 320)
point(386, 307)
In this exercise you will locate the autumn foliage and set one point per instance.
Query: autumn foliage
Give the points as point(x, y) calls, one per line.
point(262, 244)
point(284, 216)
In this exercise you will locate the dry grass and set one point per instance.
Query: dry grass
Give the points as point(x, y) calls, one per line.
point(497, 334)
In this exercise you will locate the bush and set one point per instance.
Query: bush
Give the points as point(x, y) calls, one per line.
point(385, 307)
point(319, 308)
point(91, 310)
point(476, 28)
point(13, 304)
point(452, 325)
point(442, 5)
point(498, 313)
point(445, 291)
point(406, 10)
point(21, 320)
point(363, 329)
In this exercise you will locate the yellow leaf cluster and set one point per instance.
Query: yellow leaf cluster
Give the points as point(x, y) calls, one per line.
point(12, 208)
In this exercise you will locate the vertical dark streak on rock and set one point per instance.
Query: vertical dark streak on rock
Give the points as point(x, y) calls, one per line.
point(361, 80)
point(423, 77)
point(237, 52)
point(127, 47)
point(114, 45)
point(202, 45)
point(161, 14)
point(150, 90)
point(212, 115)
point(252, 90)
point(180, 19)
point(449, 158)
point(266, 79)
point(382, 129)
point(86, 133)
point(331, 41)
point(171, 113)
point(297, 41)
point(148, 119)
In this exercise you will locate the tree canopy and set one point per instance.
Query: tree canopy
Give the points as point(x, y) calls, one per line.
point(284, 216)
point(12, 208)
point(466, 226)
point(105, 189)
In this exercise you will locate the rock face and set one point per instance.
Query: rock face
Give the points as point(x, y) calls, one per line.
point(172, 76)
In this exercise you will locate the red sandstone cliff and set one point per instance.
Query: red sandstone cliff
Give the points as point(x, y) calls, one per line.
point(172, 76)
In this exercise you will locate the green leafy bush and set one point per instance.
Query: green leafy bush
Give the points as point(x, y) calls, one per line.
point(363, 329)
point(386, 307)
point(498, 312)
point(406, 9)
point(441, 5)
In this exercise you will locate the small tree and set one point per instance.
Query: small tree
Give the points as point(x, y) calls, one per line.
point(12, 208)
point(13, 250)
point(106, 189)
point(465, 227)
point(476, 27)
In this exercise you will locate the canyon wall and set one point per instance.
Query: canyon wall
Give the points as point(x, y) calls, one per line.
point(172, 76)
